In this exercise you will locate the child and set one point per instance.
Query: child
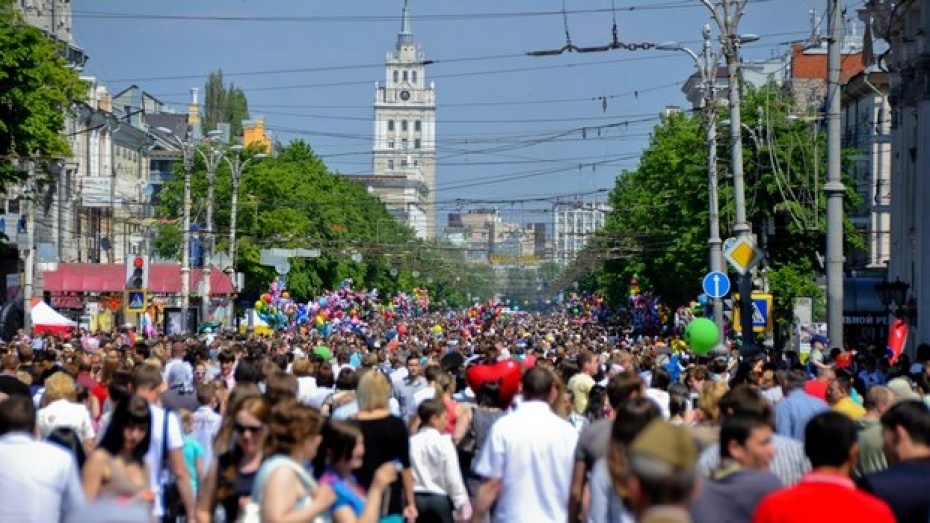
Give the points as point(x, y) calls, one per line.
point(192, 450)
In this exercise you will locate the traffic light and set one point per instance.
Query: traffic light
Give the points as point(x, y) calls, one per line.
point(137, 271)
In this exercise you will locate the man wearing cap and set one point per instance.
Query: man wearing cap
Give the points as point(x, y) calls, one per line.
point(815, 360)
point(905, 485)
point(827, 493)
point(663, 475)
point(527, 459)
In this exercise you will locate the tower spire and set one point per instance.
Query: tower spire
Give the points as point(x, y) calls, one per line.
point(405, 37)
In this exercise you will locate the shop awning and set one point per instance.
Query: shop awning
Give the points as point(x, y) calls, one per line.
point(164, 278)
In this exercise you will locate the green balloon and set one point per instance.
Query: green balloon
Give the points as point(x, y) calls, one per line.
point(701, 335)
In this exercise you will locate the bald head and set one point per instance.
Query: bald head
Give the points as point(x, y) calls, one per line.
point(178, 349)
point(879, 399)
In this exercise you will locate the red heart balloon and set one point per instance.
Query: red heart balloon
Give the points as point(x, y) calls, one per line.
point(506, 374)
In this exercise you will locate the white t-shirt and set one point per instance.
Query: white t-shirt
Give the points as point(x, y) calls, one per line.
point(63, 413)
point(158, 474)
point(305, 388)
point(532, 452)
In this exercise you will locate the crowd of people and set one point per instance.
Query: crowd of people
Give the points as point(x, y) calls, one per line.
point(534, 418)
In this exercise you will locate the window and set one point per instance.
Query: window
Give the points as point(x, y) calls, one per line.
point(390, 144)
point(413, 76)
point(390, 164)
point(416, 163)
point(403, 163)
point(403, 144)
point(403, 125)
point(405, 76)
point(390, 125)
point(417, 126)
point(416, 143)
point(396, 76)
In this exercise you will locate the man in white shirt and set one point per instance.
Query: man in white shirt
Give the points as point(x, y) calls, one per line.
point(206, 421)
point(38, 481)
point(178, 351)
point(527, 459)
point(146, 382)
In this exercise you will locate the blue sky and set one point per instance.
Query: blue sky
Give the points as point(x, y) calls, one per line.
point(513, 131)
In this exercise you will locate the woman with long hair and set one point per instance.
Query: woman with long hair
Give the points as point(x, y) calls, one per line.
point(340, 454)
point(610, 476)
point(231, 477)
point(116, 468)
point(388, 442)
point(284, 490)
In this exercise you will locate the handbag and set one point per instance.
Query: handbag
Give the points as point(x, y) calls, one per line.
point(252, 512)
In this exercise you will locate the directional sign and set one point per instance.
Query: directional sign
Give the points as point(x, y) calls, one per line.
point(761, 312)
point(135, 301)
point(742, 253)
point(716, 284)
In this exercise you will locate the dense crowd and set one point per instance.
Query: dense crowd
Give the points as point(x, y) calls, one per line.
point(532, 418)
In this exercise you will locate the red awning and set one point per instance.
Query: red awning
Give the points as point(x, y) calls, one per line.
point(164, 278)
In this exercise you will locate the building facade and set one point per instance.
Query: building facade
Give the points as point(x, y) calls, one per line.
point(572, 225)
point(405, 136)
point(867, 130)
point(904, 26)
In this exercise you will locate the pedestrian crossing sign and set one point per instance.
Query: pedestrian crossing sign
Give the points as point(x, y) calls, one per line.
point(136, 300)
point(762, 320)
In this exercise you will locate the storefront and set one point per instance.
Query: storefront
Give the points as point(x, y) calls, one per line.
point(93, 294)
point(865, 320)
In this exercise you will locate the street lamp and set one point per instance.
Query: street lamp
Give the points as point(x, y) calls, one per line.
point(727, 15)
point(707, 67)
point(236, 167)
point(187, 145)
point(211, 159)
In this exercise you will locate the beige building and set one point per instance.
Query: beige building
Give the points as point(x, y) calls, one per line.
point(404, 153)
point(486, 237)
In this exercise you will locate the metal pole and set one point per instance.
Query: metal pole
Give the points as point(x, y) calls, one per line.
point(187, 149)
point(29, 270)
point(715, 244)
point(235, 170)
point(728, 17)
point(834, 187)
point(211, 159)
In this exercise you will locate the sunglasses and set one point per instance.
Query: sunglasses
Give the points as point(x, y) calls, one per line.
point(240, 428)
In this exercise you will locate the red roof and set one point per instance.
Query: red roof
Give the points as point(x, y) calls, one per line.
point(164, 278)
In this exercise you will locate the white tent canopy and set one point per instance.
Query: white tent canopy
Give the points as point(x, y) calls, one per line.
point(43, 314)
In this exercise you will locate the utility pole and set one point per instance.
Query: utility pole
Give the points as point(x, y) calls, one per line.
point(727, 15)
point(236, 167)
point(834, 188)
point(187, 150)
point(707, 67)
point(211, 159)
point(29, 268)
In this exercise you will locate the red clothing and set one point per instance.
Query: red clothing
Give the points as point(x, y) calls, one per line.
point(452, 409)
point(821, 497)
point(816, 388)
point(101, 393)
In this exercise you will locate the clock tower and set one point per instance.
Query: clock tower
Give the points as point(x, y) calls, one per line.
point(404, 154)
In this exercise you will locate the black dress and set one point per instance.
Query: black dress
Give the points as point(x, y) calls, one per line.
point(386, 440)
point(231, 484)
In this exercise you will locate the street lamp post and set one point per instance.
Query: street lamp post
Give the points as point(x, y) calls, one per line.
point(707, 67)
point(211, 159)
point(236, 167)
point(187, 145)
point(727, 15)
point(834, 188)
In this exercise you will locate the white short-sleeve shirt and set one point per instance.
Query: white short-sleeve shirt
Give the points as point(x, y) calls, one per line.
point(531, 451)
point(158, 475)
point(63, 413)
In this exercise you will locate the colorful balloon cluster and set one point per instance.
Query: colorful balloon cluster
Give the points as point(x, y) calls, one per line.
point(586, 307)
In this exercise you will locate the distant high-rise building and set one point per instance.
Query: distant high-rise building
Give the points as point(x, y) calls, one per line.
point(404, 152)
point(573, 223)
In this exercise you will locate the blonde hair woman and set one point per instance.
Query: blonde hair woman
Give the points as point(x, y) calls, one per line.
point(60, 408)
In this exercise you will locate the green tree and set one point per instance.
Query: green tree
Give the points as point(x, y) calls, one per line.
point(660, 222)
point(224, 104)
point(37, 92)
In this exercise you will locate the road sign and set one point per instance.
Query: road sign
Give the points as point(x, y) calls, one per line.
point(135, 300)
point(761, 313)
point(716, 284)
point(742, 253)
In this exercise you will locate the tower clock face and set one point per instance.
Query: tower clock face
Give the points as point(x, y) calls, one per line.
point(405, 95)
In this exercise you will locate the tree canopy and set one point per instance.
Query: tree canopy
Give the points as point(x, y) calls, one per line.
point(293, 201)
point(659, 227)
point(37, 92)
point(224, 104)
